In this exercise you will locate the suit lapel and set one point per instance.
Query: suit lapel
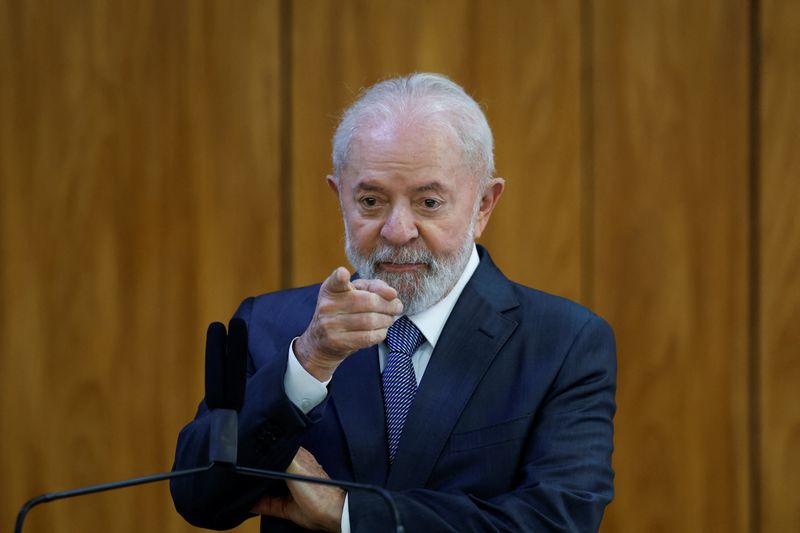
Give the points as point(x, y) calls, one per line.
point(358, 400)
point(472, 337)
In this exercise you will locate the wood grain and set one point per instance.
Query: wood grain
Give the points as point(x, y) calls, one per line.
point(779, 267)
point(671, 181)
point(530, 85)
point(138, 203)
point(141, 196)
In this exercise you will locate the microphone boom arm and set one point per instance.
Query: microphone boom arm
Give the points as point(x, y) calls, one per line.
point(51, 496)
point(247, 471)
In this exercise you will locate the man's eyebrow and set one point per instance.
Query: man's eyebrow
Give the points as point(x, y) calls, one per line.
point(434, 186)
point(371, 187)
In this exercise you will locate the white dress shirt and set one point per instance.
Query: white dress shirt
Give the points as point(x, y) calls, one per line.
point(306, 392)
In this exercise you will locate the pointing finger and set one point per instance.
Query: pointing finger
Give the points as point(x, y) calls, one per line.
point(338, 281)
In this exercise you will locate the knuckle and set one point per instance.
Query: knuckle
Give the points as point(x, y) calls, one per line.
point(373, 321)
point(324, 302)
point(374, 336)
point(383, 321)
point(360, 301)
point(375, 301)
point(370, 321)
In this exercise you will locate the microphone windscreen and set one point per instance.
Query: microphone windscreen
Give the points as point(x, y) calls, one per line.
point(215, 365)
point(236, 364)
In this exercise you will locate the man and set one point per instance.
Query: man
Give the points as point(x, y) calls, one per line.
point(480, 404)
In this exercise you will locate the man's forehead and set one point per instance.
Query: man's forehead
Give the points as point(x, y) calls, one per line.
point(410, 146)
point(403, 129)
point(383, 131)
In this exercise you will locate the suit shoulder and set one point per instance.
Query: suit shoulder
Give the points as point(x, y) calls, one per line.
point(292, 294)
point(585, 341)
point(280, 304)
point(551, 307)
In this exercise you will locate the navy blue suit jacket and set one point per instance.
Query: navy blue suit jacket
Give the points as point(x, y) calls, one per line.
point(511, 428)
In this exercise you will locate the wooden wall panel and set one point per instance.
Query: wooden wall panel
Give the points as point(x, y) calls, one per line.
point(780, 267)
point(671, 182)
point(141, 196)
point(530, 82)
point(137, 203)
point(518, 58)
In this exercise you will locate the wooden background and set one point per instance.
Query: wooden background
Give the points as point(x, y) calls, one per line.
point(160, 161)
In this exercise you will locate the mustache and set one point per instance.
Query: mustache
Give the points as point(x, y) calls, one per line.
point(401, 255)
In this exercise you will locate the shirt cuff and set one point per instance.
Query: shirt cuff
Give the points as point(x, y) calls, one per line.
point(303, 389)
point(346, 514)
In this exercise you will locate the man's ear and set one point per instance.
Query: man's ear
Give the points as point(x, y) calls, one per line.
point(333, 183)
point(491, 194)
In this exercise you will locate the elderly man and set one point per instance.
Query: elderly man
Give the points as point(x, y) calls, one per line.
point(480, 404)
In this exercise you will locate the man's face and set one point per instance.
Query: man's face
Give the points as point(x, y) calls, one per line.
point(411, 210)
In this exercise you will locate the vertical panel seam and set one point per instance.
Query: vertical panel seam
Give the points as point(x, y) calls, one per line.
point(754, 282)
point(587, 175)
point(285, 177)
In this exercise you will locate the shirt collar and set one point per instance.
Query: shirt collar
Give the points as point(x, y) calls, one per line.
point(431, 321)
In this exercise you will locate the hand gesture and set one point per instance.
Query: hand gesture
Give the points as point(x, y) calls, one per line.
point(349, 316)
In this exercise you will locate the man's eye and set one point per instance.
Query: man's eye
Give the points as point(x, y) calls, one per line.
point(430, 203)
point(369, 201)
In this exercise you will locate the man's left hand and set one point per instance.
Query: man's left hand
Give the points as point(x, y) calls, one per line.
point(309, 505)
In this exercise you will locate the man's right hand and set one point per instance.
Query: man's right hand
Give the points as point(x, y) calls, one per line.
point(349, 316)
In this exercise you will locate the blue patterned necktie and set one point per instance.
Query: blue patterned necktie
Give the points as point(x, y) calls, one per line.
point(399, 382)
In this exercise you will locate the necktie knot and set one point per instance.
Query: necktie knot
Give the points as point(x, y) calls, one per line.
point(404, 337)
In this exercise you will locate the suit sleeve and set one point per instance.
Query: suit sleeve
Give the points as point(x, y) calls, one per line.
point(270, 429)
point(565, 476)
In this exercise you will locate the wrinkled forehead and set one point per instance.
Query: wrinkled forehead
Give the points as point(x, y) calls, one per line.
point(405, 141)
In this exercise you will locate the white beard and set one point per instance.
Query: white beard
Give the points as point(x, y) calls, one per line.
point(421, 289)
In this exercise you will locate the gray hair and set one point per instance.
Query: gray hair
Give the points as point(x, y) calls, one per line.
point(430, 99)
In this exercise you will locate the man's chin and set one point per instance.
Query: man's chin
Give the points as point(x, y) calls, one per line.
point(402, 281)
point(406, 283)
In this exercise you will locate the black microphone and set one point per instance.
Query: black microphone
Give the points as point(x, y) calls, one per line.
point(216, 338)
point(226, 358)
point(226, 374)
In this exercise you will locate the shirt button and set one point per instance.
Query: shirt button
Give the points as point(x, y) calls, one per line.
point(305, 404)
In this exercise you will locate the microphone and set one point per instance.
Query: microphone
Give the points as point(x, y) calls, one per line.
point(216, 337)
point(226, 375)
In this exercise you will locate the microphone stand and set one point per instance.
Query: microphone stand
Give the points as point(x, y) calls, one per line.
point(91, 489)
point(247, 471)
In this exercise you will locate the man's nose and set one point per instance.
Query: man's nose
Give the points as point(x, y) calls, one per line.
point(400, 227)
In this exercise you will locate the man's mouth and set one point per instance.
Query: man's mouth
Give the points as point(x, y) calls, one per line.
point(401, 267)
